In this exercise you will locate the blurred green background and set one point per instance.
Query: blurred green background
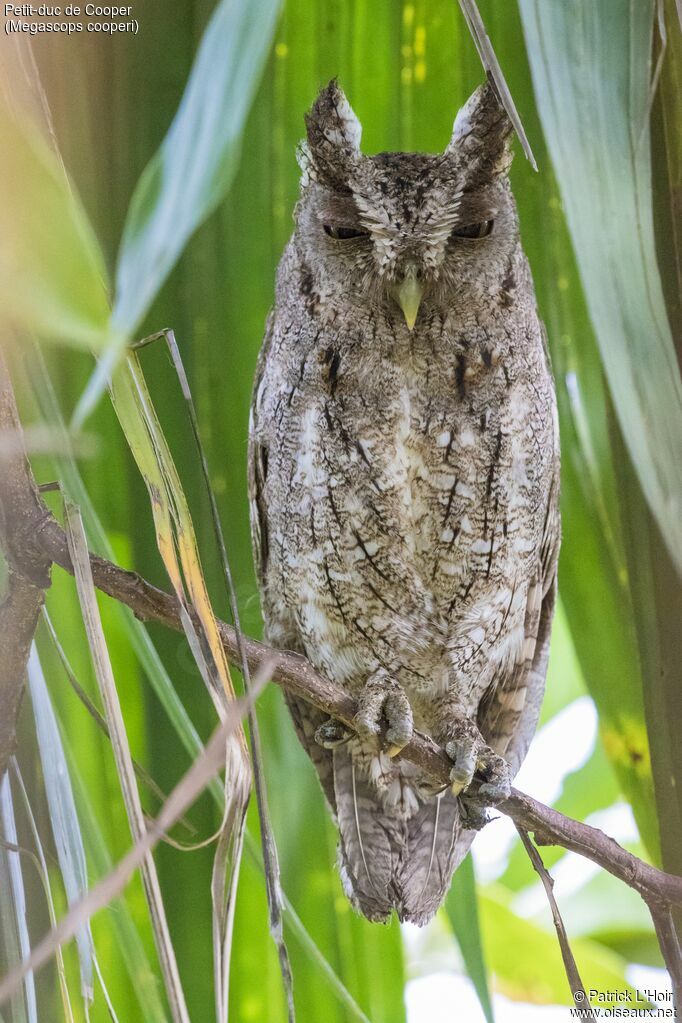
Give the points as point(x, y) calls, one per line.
point(406, 68)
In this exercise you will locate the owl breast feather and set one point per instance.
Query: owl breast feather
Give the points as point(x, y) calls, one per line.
point(406, 490)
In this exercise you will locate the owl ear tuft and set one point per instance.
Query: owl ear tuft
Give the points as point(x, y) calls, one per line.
point(482, 131)
point(332, 149)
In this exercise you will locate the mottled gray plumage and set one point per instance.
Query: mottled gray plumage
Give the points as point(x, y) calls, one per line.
point(404, 487)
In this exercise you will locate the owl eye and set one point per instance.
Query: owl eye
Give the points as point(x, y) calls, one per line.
point(342, 233)
point(481, 230)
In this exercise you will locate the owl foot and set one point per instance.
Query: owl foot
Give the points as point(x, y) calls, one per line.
point(332, 733)
point(472, 756)
point(382, 697)
point(494, 788)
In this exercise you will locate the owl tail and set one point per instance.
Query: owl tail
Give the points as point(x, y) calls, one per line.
point(389, 858)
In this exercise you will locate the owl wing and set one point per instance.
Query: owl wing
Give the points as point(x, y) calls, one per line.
point(509, 713)
point(280, 626)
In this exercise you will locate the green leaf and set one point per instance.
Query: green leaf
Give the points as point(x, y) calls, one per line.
point(191, 171)
point(461, 910)
point(52, 276)
point(593, 576)
point(655, 585)
point(591, 66)
point(196, 162)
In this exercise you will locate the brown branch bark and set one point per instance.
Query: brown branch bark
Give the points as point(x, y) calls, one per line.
point(21, 509)
point(18, 620)
point(577, 987)
point(669, 943)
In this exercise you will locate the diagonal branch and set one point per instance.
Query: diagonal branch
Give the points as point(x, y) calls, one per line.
point(295, 673)
point(570, 965)
point(669, 943)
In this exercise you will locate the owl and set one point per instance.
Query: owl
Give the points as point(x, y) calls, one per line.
point(404, 475)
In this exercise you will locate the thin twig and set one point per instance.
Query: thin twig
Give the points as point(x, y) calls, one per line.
point(669, 942)
point(570, 965)
point(473, 18)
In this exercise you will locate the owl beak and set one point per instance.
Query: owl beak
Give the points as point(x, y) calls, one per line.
point(409, 296)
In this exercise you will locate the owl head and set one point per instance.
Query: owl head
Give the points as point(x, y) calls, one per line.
point(414, 232)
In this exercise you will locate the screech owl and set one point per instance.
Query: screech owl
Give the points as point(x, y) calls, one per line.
point(404, 476)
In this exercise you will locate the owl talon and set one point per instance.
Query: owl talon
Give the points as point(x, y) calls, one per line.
point(332, 734)
point(472, 757)
point(382, 697)
point(496, 780)
point(463, 749)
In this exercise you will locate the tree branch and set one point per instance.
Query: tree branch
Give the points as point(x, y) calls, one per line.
point(294, 673)
point(570, 965)
point(28, 566)
point(18, 620)
point(669, 943)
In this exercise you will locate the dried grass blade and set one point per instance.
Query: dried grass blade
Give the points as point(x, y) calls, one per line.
point(142, 774)
point(105, 678)
point(175, 535)
point(178, 547)
point(143, 976)
point(224, 883)
point(190, 786)
point(62, 811)
point(473, 18)
point(268, 843)
point(13, 909)
point(137, 635)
